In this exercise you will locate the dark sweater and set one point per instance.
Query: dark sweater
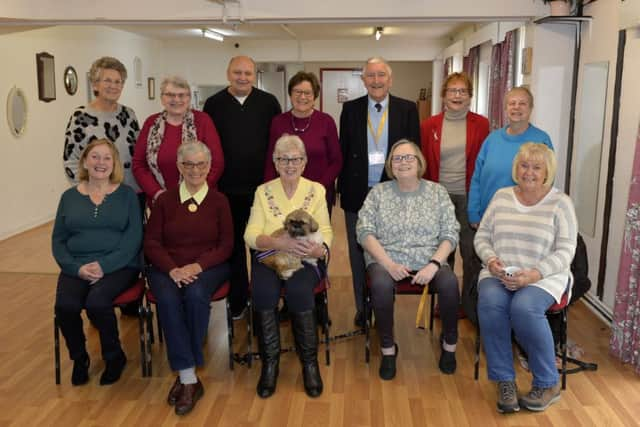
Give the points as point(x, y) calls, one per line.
point(175, 237)
point(244, 136)
point(112, 235)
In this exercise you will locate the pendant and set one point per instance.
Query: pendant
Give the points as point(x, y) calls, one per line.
point(192, 207)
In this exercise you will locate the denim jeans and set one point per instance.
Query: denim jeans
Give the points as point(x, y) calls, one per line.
point(184, 313)
point(500, 310)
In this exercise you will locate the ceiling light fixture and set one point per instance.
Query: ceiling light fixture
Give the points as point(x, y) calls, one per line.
point(378, 33)
point(210, 34)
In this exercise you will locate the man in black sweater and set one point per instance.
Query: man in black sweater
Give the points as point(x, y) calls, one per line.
point(242, 115)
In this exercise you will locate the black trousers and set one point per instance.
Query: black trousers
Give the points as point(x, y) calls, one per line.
point(240, 205)
point(73, 294)
point(266, 287)
point(382, 284)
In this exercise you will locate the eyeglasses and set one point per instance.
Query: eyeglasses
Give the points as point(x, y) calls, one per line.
point(409, 158)
point(379, 74)
point(284, 161)
point(176, 95)
point(456, 91)
point(110, 82)
point(301, 93)
point(190, 165)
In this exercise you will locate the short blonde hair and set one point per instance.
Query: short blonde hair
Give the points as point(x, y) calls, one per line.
point(117, 174)
point(286, 143)
point(176, 81)
point(522, 89)
point(422, 163)
point(536, 151)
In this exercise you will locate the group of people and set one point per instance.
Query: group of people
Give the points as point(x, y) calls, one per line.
point(225, 178)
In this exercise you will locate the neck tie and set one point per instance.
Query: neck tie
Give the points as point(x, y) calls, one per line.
point(378, 107)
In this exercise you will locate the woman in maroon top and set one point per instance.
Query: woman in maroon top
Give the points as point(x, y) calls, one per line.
point(316, 129)
point(188, 240)
point(154, 159)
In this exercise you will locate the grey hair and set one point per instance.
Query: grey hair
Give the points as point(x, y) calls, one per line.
point(176, 81)
point(106, 63)
point(287, 143)
point(193, 147)
point(377, 60)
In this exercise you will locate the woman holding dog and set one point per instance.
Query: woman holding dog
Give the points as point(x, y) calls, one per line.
point(188, 241)
point(526, 240)
point(273, 201)
point(408, 228)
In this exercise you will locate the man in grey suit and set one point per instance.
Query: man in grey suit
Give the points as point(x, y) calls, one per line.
point(369, 126)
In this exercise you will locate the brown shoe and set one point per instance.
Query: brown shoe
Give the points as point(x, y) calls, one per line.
point(174, 393)
point(539, 399)
point(188, 397)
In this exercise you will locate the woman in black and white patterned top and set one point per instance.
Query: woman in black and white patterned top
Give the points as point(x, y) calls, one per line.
point(103, 117)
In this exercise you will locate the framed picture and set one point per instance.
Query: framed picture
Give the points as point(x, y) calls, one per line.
point(90, 95)
point(527, 53)
point(151, 88)
point(46, 77)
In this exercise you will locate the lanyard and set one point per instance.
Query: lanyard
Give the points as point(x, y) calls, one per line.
point(376, 136)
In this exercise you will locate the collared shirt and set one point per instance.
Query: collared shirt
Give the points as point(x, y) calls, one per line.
point(198, 197)
point(380, 144)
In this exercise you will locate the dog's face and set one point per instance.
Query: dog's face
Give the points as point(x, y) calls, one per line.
point(300, 223)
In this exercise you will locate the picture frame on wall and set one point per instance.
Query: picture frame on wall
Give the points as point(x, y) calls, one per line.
point(151, 88)
point(90, 95)
point(527, 54)
point(46, 77)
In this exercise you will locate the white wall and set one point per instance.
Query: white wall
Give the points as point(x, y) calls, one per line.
point(31, 166)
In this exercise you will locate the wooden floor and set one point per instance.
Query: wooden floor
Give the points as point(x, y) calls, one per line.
point(353, 393)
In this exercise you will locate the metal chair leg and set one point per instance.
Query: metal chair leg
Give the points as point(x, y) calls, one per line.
point(432, 311)
point(229, 332)
point(56, 347)
point(476, 362)
point(141, 332)
point(326, 327)
point(249, 333)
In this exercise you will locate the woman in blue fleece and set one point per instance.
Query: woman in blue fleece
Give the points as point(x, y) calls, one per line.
point(493, 165)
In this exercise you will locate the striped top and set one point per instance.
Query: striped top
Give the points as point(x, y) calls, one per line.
point(542, 236)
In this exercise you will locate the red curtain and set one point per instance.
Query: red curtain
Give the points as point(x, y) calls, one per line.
point(501, 78)
point(625, 328)
point(470, 64)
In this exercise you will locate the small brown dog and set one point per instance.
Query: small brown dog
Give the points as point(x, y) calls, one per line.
point(300, 225)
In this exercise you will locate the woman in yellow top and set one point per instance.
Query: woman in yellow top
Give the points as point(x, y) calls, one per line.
point(273, 201)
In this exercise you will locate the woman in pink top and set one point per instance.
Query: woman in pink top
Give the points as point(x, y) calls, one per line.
point(316, 129)
point(154, 159)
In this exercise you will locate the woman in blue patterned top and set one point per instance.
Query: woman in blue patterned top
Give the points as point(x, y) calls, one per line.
point(408, 228)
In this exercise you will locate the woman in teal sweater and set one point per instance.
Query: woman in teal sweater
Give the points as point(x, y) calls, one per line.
point(96, 242)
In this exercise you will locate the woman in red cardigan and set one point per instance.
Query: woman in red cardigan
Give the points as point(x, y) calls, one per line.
point(451, 141)
point(188, 241)
point(154, 159)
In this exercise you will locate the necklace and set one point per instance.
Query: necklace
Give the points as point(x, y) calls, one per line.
point(301, 130)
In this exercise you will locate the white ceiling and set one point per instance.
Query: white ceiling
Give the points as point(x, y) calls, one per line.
point(301, 31)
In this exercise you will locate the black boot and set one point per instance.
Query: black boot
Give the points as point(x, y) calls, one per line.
point(306, 337)
point(269, 346)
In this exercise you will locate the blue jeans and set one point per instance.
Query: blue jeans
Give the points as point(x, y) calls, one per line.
point(184, 313)
point(500, 310)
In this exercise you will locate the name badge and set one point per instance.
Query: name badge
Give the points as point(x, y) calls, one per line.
point(376, 158)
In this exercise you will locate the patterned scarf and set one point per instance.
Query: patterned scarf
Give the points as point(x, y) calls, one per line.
point(156, 133)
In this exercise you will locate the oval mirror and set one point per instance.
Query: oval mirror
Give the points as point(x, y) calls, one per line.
point(17, 111)
point(70, 80)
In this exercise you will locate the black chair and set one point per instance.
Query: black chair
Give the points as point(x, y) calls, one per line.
point(403, 287)
point(131, 295)
point(149, 336)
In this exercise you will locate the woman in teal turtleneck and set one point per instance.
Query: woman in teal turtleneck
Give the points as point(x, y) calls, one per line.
point(96, 241)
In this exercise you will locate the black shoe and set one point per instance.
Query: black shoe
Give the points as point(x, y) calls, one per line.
point(113, 369)
point(305, 335)
point(268, 329)
point(447, 363)
point(359, 319)
point(80, 374)
point(388, 366)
